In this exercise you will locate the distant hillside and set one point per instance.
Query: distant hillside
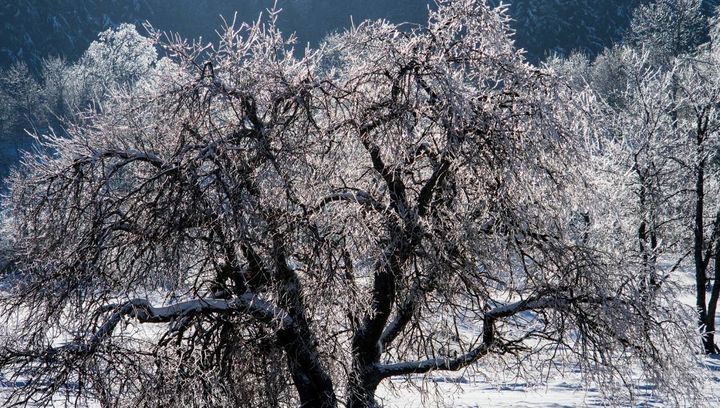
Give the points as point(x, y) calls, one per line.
point(32, 29)
point(561, 26)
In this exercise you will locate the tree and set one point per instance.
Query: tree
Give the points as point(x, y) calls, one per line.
point(634, 132)
point(657, 121)
point(120, 57)
point(21, 94)
point(35, 29)
point(56, 86)
point(668, 28)
point(674, 30)
point(405, 209)
point(698, 118)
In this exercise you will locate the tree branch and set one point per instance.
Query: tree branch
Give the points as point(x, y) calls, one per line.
point(359, 197)
point(488, 341)
point(145, 312)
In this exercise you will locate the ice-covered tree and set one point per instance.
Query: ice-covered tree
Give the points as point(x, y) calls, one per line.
point(634, 143)
point(699, 122)
point(120, 57)
point(55, 83)
point(672, 33)
point(655, 120)
point(259, 229)
point(668, 28)
point(20, 93)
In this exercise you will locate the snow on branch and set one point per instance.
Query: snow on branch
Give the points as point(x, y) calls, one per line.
point(359, 197)
point(144, 312)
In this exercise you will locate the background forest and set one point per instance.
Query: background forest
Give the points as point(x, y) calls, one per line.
point(33, 30)
point(37, 33)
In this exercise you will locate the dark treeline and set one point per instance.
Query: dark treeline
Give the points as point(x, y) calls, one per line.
point(545, 27)
point(35, 29)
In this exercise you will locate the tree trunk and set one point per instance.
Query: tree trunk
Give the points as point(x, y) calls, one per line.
point(314, 390)
point(709, 340)
point(361, 390)
point(698, 249)
point(647, 238)
point(367, 339)
point(364, 378)
point(698, 246)
point(313, 383)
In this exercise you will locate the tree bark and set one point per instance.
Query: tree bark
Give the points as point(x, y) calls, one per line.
point(314, 386)
point(361, 388)
point(313, 383)
point(707, 327)
point(709, 340)
point(698, 244)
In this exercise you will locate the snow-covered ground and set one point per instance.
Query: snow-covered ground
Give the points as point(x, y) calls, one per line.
point(476, 395)
point(566, 390)
point(562, 389)
point(560, 392)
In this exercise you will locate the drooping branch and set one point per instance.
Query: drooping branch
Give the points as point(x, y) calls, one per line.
point(421, 367)
point(359, 197)
point(489, 339)
point(144, 312)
